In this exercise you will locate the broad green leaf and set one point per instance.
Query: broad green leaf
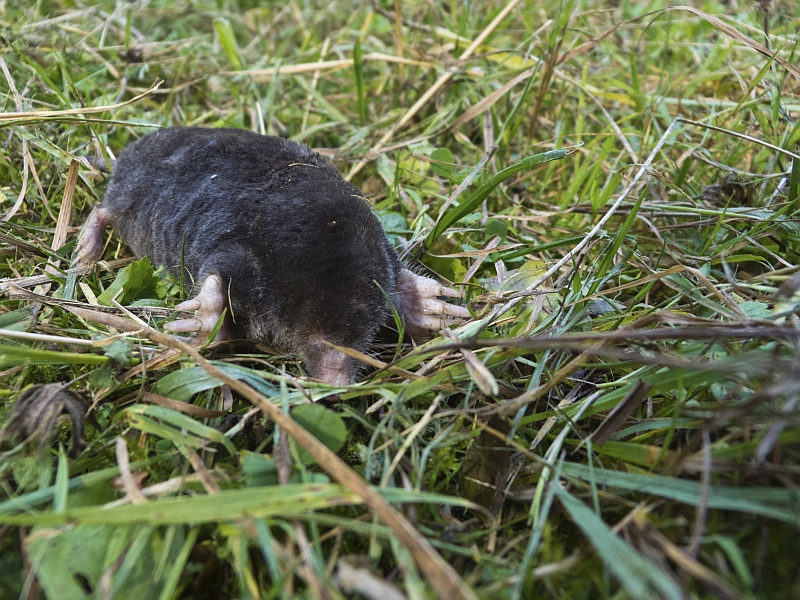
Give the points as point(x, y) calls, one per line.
point(68, 556)
point(137, 280)
point(442, 162)
point(85, 552)
point(324, 424)
point(259, 470)
point(185, 383)
point(120, 351)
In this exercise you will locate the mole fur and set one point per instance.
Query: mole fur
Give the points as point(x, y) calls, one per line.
point(300, 251)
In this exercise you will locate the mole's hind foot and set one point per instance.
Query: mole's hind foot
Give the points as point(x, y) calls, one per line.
point(90, 244)
point(418, 303)
point(208, 306)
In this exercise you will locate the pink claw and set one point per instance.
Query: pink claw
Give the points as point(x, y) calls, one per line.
point(90, 244)
point(424, 313)
point(208, 305)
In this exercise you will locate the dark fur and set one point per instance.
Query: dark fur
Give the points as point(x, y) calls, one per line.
point(299, 247)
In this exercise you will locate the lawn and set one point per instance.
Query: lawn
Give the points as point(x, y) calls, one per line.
point(614, 189)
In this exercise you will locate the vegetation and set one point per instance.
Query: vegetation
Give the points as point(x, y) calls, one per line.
point(619, 420)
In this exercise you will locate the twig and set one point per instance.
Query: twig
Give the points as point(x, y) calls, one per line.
point(87, 110)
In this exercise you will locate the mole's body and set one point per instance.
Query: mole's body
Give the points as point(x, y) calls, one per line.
point(270, 231)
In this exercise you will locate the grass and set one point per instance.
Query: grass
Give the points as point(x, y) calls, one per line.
point(620, 418)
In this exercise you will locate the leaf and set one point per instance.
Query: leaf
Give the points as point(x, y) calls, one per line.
point(393, 222)
point(295, 500)
point(137, 280)
point(259, 470)
point(16, 320)
point(755, 309)
point(458, 212)
point(442, 162)
point(102, 377)
point(69, 557)
point(794, 179)
point(496, 227)
point(412, 167)
point(640, 578)
point(324, 424)
point(185, 383)
point(75, 558)
point(120, 351)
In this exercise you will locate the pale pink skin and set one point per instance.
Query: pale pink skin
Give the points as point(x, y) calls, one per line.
point(90, 244)
point(418, 303)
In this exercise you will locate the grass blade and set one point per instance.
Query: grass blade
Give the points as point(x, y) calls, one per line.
point(475, 199)
point(642, 579)
point(358, 71)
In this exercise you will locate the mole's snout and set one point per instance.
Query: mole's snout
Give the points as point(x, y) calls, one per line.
point(328, 364)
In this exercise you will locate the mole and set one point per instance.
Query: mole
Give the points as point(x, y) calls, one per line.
point(272, 237)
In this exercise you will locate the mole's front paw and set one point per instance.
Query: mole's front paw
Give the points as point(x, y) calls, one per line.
point(418, 303)
point(90, 244)
point(208, 306)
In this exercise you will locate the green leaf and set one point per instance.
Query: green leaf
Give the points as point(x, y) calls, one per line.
point(83, 553)
point(641, 578)
point(68, 557)
point(393, 222)
point(295, 500)
point(120, 351)
point(185, 383)
point(16, 320)
point(102, 377)
point(442, 162)
point(259, 470)
point(138, 280)
point(324, 424)
point(458, 212)
point(755, 309)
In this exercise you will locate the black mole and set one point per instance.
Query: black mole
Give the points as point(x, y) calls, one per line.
point(271, 232)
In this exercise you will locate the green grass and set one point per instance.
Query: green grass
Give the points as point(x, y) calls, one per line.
point(649, 251)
